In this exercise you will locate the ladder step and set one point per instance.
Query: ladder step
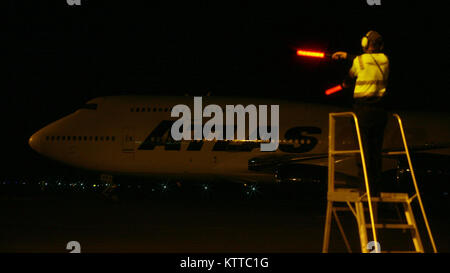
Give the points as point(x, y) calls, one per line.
point(347, 195)
point(352, 195)
point(397, 153)
point(387, 197)
point(391, 226)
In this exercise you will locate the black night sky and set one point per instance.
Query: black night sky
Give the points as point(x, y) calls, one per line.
point(59, 56)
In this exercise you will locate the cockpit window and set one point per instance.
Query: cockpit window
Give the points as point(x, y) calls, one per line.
point(90, 106)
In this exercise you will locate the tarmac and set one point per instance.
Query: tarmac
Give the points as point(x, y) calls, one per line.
point(189, 219)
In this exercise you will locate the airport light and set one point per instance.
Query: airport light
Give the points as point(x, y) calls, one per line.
point(206, 187)
point(251, 190)
point(164, 187)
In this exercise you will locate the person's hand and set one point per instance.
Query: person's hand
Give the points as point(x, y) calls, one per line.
point(339, 55)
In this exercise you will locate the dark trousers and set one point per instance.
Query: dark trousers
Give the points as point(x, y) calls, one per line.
point(372, 119)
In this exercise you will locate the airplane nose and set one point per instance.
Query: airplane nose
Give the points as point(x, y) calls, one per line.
point(34, 141)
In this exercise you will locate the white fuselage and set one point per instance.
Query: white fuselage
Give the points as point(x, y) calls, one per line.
point(131, 135)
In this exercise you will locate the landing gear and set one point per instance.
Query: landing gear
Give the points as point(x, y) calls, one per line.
point(110, 192)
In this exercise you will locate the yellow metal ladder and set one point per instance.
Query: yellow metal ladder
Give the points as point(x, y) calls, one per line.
point(355, 200)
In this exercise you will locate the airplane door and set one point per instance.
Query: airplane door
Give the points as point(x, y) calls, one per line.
point(128, 141)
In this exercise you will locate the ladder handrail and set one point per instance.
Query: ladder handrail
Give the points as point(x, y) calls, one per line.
point(331, 151)
point(400, 123)
point(331, 177)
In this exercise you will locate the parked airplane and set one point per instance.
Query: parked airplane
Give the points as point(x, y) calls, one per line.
point(132, 135)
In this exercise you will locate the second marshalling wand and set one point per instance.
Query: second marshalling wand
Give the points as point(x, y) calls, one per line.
point(320, 55)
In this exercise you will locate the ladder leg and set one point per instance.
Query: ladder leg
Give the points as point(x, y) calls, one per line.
point(341, 229)
point(413, 176)
point(415, 232)
point(326, 236)
point(360, 218)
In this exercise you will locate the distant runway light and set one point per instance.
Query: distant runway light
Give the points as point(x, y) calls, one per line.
point(251, 190)
point(164, 187)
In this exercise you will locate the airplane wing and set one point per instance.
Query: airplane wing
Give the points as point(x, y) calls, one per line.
point(416, 149)
point(302, 165)
point(272, 162)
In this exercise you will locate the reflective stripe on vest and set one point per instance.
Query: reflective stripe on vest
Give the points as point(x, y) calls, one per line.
point(361, 65)
point(376, 82)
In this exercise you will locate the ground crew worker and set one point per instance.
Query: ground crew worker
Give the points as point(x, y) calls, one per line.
point(371, 70)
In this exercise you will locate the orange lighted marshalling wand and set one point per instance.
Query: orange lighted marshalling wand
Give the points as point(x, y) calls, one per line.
point(332, 90)
point(321, 55)
point(313, 54)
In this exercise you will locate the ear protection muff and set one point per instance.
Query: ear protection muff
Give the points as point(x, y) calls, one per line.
point(365, 40)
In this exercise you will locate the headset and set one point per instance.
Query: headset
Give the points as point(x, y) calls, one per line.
point(365, 41)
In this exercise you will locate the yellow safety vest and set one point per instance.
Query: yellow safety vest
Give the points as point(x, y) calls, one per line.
point(371, 71)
